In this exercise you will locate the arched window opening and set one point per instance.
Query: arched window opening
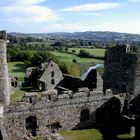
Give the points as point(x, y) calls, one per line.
point(30, 100)
point(85, 115)
point(1, 138)
point(52, 82)
point(31, 125)
point(123, 88)
point(52, 74)
point(50, 97)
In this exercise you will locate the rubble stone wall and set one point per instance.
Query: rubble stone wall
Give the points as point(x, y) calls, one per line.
point(4, 76)
point(67, 112)
point(122, 70)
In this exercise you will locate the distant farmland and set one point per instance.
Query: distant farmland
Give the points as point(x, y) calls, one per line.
point(83, 63)
point(65, 57)
point(96, 52)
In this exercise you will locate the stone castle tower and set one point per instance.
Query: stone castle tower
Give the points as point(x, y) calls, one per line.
point(122, 70)
point(4, 76)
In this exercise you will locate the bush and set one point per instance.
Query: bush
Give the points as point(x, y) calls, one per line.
point(70, 68)
point(85, 54)
point(74, 61)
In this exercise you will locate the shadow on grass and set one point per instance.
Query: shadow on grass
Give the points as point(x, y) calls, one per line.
point(19, 68)
point(125, 139)
point(120, 139)
point(30, 89)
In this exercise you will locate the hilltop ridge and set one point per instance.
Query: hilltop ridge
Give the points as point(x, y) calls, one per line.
point(88, 35)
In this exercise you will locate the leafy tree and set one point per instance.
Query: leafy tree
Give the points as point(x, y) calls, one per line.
point(83, 53)
point(71, 69)
point(73, 51)
point(14, 53)
point(74, 61)
point(66, 49)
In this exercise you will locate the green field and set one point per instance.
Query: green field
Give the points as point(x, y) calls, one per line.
point(38, 138)
point(89, 134)
point(65, 57)
point(17, 69)
point(95, 52)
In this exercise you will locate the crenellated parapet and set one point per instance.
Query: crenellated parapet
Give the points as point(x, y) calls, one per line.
point(61, 114)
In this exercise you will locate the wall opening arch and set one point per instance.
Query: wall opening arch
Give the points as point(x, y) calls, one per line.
point(84, 115)
point(31, 125)
point(1, 138)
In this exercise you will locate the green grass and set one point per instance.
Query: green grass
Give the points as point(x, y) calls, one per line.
point(89, 134)
point(96, 52)
point(17, 69)
point(38, 138)
point(65, 57)
point(124, 136)
point(17, 95)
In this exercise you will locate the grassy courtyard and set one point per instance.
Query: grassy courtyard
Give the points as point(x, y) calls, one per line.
point(17, 69)
point(89, 134)
point(17, 96)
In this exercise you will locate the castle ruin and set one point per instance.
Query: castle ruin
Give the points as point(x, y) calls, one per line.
point(4, 76)
point(122, 70)
point(62, 108)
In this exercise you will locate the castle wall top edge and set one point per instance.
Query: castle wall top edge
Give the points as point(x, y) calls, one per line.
point(3, 35)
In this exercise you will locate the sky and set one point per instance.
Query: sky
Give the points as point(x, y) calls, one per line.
point(43, 16)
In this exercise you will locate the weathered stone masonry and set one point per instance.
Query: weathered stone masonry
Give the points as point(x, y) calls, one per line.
point(66, 112)
point(122, 69)
point(4, 77)
point(4, 83)
point(66, 109)
point(39, 117)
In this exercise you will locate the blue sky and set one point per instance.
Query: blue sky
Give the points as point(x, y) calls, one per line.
point(33, 16)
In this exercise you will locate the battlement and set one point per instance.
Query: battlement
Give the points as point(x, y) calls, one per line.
point(31, 102)
point(123, 50)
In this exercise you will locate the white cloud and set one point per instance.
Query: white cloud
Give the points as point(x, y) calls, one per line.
point(28, 11)
point(122, 26)
point(91, 7)
point(27, 2)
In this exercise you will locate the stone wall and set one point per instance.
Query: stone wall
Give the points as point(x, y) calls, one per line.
point(51, 77)
point(66, 113)
point(137, 78)
point(121, 72)
point(4, 76)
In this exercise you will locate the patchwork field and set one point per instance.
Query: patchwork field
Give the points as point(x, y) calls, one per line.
point(96, 52)
point(65, 57)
